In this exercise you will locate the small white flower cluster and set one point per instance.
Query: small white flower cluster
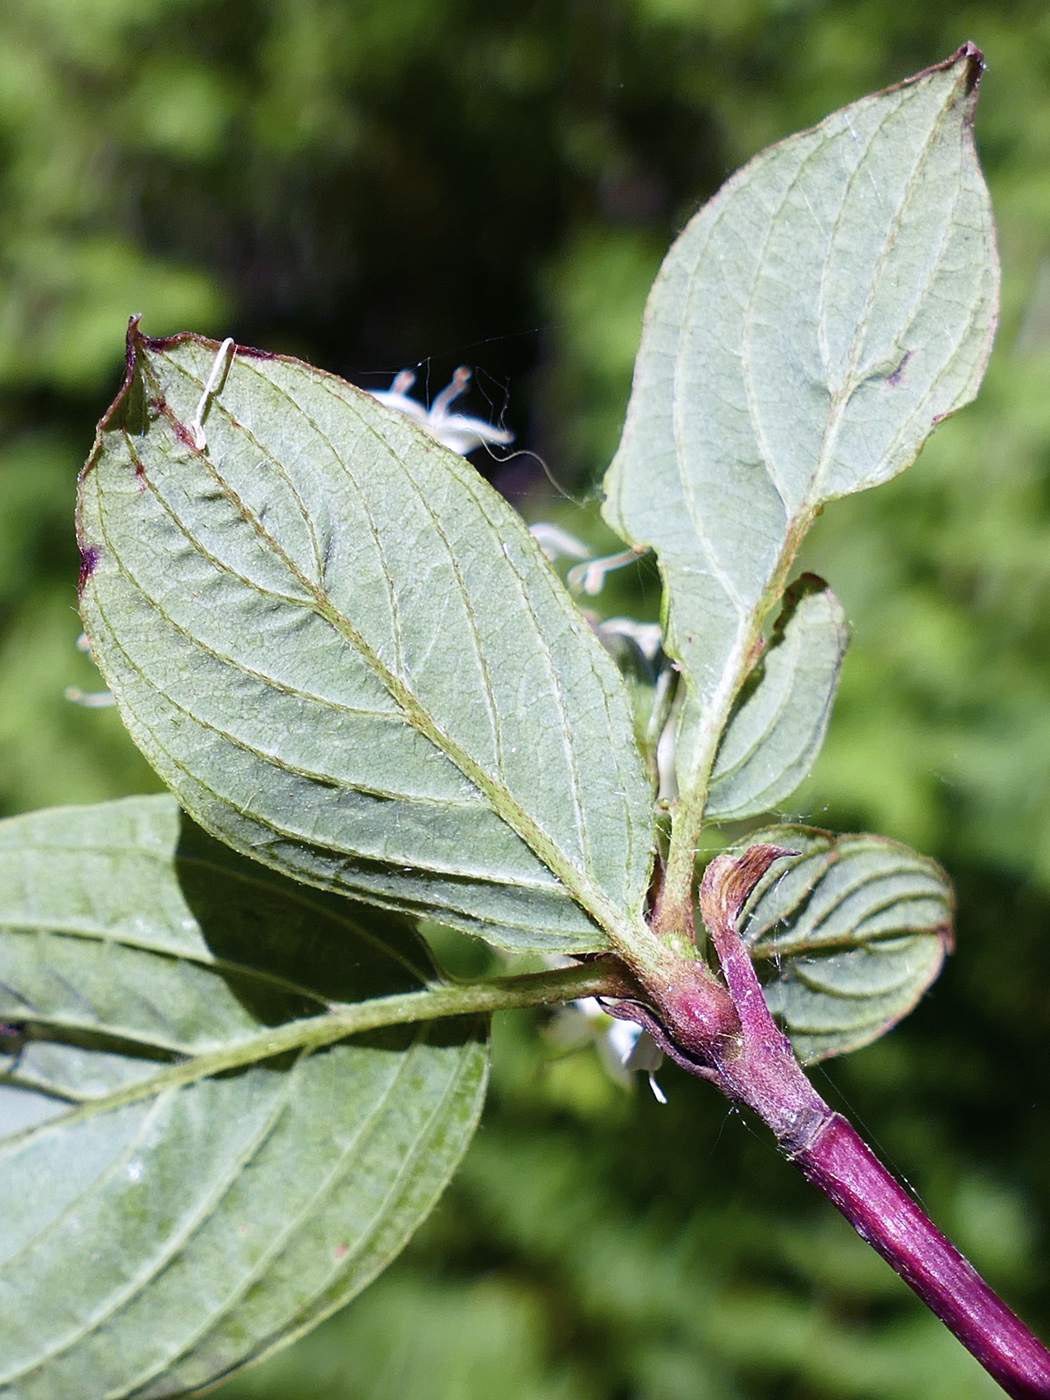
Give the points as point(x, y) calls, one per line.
point(458, 431)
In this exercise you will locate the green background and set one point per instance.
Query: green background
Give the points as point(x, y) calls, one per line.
point(379, 183)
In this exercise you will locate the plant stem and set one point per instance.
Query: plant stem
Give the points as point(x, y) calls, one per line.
point(752, 1063)
point(842, 1166)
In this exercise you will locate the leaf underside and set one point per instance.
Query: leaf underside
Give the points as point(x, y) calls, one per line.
point(807, 330)
point(348, 657)
point(848, 934)
point(149, 1248)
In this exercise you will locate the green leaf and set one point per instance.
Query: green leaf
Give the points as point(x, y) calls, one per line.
point(773, 737)
point(851, 931)
point(160, 1226)
point(807, 330)
point(348, 657)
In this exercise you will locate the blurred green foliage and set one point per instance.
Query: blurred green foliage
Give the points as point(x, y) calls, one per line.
point(373, 183)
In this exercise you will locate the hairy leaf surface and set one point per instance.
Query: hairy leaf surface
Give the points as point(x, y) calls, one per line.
point(151, 1245)
point(348, 657)
point(773, 738)
point(808, 329)
point(851, 932)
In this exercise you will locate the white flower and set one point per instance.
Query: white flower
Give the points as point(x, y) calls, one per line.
point(632, 1047)
point(456, 430)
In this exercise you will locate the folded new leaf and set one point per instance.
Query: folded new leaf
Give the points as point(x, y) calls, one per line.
point(775, 733)
point(349, 658)
point(154, 1234)
point(849, 933)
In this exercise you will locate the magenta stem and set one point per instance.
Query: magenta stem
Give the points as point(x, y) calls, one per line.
point(840, 1164)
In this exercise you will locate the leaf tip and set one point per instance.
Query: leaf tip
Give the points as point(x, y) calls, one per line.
point(969, 59)
point(729, 880)
point(973, 58)
point(132, 339)
point(131, 345)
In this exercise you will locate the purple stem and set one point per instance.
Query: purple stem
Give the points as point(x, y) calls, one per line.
point(841, 1165)
point(752, 1062)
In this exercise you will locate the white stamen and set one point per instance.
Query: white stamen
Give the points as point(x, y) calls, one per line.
point(89, 699)
point(456, 386)
point(658, 1093)
point(403, 382)
point(557, 543)
point(590, 577)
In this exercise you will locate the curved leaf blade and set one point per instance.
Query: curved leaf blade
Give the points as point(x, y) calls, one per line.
point(773, 737)
point(807, 331)
point(153, 1246)
point(851, 932)
point(348, 657)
